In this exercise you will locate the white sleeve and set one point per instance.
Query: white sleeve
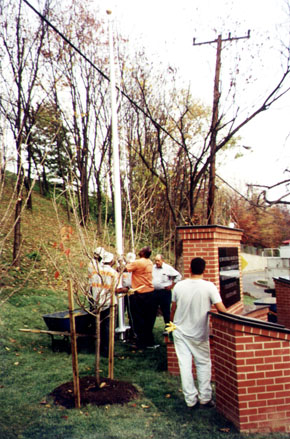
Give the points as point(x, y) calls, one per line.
point(172, 273)
point(215, 296)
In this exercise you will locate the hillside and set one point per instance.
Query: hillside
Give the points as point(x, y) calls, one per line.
point(46, 253)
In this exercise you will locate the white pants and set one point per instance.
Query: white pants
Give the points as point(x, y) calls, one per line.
point(186, 348)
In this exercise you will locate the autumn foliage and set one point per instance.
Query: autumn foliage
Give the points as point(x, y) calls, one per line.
point(263, 227)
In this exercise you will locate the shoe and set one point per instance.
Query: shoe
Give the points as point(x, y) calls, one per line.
point(194, 406)
point(136, 347)
point(155, 346)
point(208, 405)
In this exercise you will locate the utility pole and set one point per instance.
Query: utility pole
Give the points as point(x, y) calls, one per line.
point(215, 122)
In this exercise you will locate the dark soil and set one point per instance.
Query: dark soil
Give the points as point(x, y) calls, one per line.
point(109, 392)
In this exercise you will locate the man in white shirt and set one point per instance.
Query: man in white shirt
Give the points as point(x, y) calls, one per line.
point(191, 302)
point(164, 279)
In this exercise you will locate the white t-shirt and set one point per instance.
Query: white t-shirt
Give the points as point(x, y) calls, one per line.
point(194, 298)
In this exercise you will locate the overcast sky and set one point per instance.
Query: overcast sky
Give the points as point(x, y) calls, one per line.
point(166, 29)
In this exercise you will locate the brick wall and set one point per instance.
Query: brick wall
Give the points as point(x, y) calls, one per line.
point(282, 288)
point(260, 313)
point(252, 373)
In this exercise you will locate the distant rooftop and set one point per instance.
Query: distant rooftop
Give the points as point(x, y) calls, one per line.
point(287, 242)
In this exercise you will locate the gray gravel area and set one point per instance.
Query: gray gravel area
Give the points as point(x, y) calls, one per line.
point(250, 286)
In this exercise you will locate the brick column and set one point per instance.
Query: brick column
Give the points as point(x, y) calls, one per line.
point(204, 241)
point(252, 373)
point(282, 288)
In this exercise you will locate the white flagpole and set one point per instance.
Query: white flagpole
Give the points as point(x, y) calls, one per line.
point(116, 162)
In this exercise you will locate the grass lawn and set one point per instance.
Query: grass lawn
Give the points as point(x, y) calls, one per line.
point(30, 370)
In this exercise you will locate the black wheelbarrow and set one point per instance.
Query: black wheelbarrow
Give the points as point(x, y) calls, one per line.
point(58, 323)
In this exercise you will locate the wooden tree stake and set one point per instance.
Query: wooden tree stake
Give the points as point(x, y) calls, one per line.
point(112, 339)
point(74, 350)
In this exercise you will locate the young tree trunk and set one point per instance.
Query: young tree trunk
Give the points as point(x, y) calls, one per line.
point(17, 231)
point(97, 347)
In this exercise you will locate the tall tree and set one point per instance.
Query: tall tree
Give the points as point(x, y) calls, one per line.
point(80, 92)
point(21, 52)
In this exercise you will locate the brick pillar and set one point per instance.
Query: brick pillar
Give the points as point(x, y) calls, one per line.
point(172, 361)
point(282, 288)
point(252, 373)
point(205, 241)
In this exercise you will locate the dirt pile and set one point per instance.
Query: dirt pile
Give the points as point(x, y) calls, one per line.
point(108, 392)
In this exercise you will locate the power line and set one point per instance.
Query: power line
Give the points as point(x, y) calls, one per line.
point(124, 94)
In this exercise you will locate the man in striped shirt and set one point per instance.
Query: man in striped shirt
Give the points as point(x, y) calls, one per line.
point(103, 282)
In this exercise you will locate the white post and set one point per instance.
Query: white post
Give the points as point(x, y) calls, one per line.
point(116, 162)
point(115, 144)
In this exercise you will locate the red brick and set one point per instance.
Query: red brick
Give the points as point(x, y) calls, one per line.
point(282, 394)
point(260, 403)
point(281, 351)
point(256, 375)
point(256, 360)
point(275, 402)
point(257, 418)
point(265, 382)
point(274, 388)
point(247, 354)
point(275, 416)
point(246, 383)
point(254, 346)
point(266, 396)
point(264, 353)
point(248, 397)
point(281, 365)
point(244, 339)
point(268, 368)
point(274, 344)
point(248, 412)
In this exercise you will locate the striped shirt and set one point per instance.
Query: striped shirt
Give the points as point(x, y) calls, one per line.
point(102, 280)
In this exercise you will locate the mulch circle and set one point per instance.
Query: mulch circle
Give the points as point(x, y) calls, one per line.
point(109, 392)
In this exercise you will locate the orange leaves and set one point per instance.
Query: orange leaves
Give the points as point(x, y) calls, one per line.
point(66, 233)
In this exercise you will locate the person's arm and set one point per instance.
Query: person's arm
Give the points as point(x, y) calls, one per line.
point(172, 312)
point(131, 266)
point(169, 287)
point(220, 307)
point(173, 275)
